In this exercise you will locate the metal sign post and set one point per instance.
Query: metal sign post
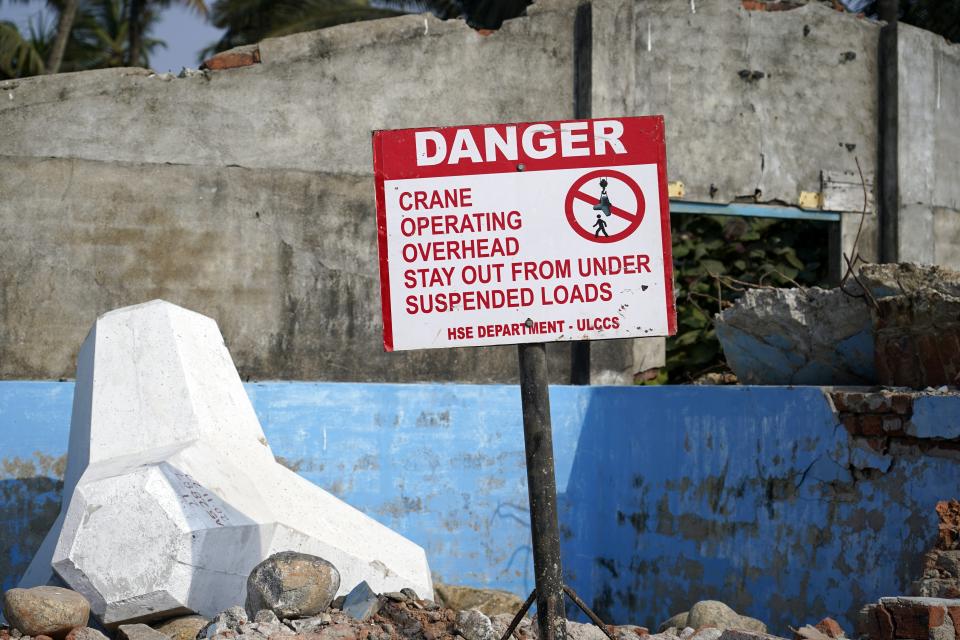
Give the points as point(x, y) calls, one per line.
point(542, 488)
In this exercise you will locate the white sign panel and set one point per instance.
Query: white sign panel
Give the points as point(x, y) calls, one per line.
point(537, 232)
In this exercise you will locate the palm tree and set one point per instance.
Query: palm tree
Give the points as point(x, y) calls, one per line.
point(101, 37)
point(140, 12)
point(23, 56)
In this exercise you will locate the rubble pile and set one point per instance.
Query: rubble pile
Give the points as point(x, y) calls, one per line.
point(941, 565)
point(893, 324)
point(292, 596)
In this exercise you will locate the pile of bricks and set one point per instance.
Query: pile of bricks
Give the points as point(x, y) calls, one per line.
point(904, 618)
point(874, 416)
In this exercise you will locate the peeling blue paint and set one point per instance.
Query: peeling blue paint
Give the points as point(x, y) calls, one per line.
point(751, 495)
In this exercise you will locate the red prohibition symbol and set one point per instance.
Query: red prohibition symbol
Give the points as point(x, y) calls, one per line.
point(576, 193)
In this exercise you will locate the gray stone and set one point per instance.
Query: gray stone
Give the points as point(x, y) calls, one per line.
point(139, 632)
point(676, 621)
point(793, 336)
point(490, 602)
point(312, 624)
point(896, 279)
point(501, 622)
point(581, 631)
point(362, 602)
point(86, 633)
point(707, 633)
point(474, 625)
point(292, 584)
point(183, 628)
point(742, 634)
point(713, 613)
point(266, 616)
point(49, 611)
point(410, 593)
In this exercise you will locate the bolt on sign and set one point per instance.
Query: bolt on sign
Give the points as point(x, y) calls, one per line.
point(526, 232)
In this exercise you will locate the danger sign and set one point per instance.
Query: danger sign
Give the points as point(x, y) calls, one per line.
point(531, 232)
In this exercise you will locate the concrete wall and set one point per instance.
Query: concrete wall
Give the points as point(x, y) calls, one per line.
point(929, 147)
point(753, 495)
point(247, 195)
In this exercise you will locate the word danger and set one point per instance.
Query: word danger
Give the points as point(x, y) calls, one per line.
point(538, 141)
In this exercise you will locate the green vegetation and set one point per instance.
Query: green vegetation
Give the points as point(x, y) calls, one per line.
point(715, 259)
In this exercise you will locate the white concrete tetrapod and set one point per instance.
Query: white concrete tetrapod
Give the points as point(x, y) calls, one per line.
point(171, 493)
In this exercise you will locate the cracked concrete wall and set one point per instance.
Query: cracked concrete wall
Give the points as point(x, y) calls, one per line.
point(759, 106)
point(929, 148)
point(667, 495)
point(247, 194)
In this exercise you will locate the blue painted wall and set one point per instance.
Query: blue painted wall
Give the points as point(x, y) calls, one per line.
point(751, 495)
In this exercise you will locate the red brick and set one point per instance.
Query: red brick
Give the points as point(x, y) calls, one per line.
point(830, 627)
point(851, 423)
point(937, 616)
point(892, 425)
point(232, 60)
point(902, 403)
point(885, 622)
point(839, 400)
point(871, 425)
point(877, 444)
point(909, 622)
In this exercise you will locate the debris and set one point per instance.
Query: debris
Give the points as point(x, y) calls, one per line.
point(473, 625)
point(713, 613)
point(292, 585)
point(87, 633)
point(49, 611)
point(490, 602)
point(194, 498)
point(182, 628)
point(139, 632)
point(362, 602)
point(793, 336)
point(830, 628)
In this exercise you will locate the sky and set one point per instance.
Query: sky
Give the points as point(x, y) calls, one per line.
point(185, 32)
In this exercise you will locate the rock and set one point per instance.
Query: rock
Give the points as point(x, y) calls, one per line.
point(884, 280)
point(266, 616)
point(580, 631)
point(501, 622)
point(490, 602)
point(183, 628)
point(831, 628)
point(362, 602)
point(630, 632)
point(292, 585)
point(311, 625)
point(87, 633)
point(139, 632)
point(50, 611)
point(676, 621)
point(707, 633)
point(808, 632)
point(474, 625)
point(793, 336)
point(410, 593)
point(337, 632)
point(713, 613)
point(337, 602)
point(741, 634)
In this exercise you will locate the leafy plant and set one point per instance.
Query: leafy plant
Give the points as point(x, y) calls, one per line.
point(716, 259)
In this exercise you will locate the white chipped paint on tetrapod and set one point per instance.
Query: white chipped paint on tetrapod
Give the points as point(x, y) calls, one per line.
point(171, 494)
